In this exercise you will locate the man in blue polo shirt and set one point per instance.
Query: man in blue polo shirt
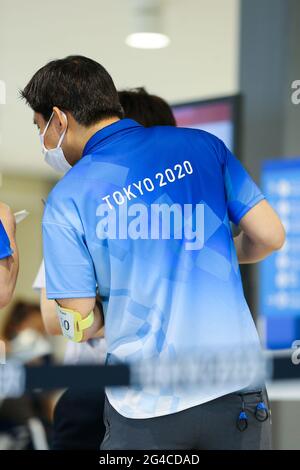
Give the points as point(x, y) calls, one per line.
point(9, 262)
point(144, 216)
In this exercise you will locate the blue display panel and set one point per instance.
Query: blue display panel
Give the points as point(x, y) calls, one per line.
point(280, 273)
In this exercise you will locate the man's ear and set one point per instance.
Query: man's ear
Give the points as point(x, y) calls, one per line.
point(60, 121)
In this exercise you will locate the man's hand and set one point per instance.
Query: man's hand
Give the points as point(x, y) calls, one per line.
point(9, 266)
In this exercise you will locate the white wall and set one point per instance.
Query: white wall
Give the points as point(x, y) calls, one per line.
point(202, 60)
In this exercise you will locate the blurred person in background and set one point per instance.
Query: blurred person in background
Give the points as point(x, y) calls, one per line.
point(24, 333)
point(158, 294)
point(25, 422)
point(9, 259)
point(147, 109)
point(85, 428)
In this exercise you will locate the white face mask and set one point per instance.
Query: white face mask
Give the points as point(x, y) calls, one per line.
point(55, 157)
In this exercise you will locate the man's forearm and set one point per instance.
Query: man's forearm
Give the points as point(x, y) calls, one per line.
point(96, 330)
point(84, 306)
point(49, 315)
point(249, 251)
point(9, 266)
point(8, 277)
point(51, 320)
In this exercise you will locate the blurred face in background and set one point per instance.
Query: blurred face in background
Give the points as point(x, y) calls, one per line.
point(25, 335)
point(33, 321)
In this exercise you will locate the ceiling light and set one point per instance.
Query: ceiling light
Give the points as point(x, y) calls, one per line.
point(147, 32)
point(147, 40)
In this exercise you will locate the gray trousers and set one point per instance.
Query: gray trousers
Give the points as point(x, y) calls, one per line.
point(215, 425)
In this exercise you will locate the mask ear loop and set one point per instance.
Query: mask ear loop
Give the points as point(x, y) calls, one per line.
point(242, 421)
point(42, 136)
point(64, 132)
point(47, 125)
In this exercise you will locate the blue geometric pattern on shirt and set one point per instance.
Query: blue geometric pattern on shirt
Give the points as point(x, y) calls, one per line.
point(160, 300)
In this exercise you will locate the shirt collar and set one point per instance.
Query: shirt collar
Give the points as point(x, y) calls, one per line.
point(107, 132)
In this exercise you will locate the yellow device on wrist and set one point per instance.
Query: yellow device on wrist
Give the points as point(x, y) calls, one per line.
point(72, 324)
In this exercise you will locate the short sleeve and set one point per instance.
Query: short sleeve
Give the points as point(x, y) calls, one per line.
point(5, 249)
point(241, 191)
point(69, 268)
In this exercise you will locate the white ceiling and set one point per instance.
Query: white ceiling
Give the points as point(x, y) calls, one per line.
point(200, 62)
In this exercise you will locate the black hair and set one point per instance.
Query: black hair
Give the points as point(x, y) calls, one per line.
point(20, 312)
point(75, 84)
point(148, 110)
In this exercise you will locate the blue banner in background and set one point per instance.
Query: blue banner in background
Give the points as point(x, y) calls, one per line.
point(279, 274)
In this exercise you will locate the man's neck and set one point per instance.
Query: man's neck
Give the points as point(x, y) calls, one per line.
point(90, 131)
point(85, 133)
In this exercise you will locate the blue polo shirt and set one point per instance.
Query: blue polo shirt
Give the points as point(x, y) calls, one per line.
point(145, 216)
point(5, 249)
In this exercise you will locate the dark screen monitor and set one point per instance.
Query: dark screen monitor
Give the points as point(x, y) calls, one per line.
point(219, 116)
